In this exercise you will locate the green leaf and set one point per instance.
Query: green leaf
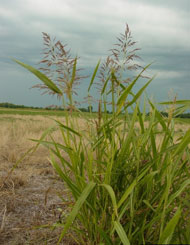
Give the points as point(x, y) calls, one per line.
point(94, 75)
point(73, 188)
point(90, 186)
point(68, 128)
point(131, 187)
point(169, 230)
point(127, 193)
point(159, 117)
point(179, 191)
point(141, 121)
point(139, 93)
point(105, 84)
point(73, 73)
point(121, 233)
point(127, 91)
point(48, 143)
point(153, 144)
point(183, 144)
point(112, 195)
point(42, 77)
point(178, 102)
point(104, 237)
point(106, 124)
point(149, 205)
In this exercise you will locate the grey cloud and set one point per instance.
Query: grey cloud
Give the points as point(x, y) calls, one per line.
point(183, 5)
point(90, 29)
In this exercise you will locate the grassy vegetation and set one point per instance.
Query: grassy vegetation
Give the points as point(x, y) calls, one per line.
point(127, 178)
point(34, 112)
point(41, 112)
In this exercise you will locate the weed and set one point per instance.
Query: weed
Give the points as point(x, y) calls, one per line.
point(124, 187)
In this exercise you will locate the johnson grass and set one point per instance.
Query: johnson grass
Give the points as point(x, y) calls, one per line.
point(126, 184)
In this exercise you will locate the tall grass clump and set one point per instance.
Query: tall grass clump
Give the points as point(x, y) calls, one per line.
point(127, 174)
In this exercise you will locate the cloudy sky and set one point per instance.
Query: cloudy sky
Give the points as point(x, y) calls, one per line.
point(90, 28)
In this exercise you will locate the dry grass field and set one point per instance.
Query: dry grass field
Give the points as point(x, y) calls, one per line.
point(29, 195)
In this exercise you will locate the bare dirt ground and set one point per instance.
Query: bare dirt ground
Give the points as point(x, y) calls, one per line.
point(29, 196)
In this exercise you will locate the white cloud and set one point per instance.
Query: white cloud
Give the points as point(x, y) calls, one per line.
point(7, 13)
point(161, 74)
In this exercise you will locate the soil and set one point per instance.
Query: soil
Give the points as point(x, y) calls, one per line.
point(29, 200)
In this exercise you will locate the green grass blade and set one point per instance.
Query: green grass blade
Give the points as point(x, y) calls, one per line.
point(126, 92)
point(127, 193)
point(167, 234)
point(90, 186)
point(139, 93)
point(153, 144)
point(73, 188)
point(159, 117)
point(149, 205)
point(49, 143)
point(179, 191)
point(105, 85)
point(94, 75)
point(68, 128)
point(141, 121)
point(106, 124)
point(121, 233)
point(131, 187)
point(124, 95)
point(73, 73)
point(183, 144)
point(42, 77)
point(112, 195)
point(104, 237)
point(178, 102)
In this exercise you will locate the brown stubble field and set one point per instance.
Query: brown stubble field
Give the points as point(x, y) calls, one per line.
point(29, 196)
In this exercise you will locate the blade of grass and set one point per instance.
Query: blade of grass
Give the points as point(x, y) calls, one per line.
point(105, 237)
point(124, 95)
point(94, 75)
point(68, 128)
point(179, 191)
point(167, 234)
point(178, 102)
point(42, 77)
point(73, 73)
point(131, 187)
point(183, 144)
point(139, 93)
point(121, 233)
point(105, 85)
point(90, 186)
point(48, 143)
point(112, 195)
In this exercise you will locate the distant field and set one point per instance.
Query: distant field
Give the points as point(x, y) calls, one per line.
point(183, 120)
point(58, 113)
point(40, 112)
point(31, 112)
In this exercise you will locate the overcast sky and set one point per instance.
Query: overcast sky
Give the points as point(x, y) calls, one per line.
point(90, 28)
